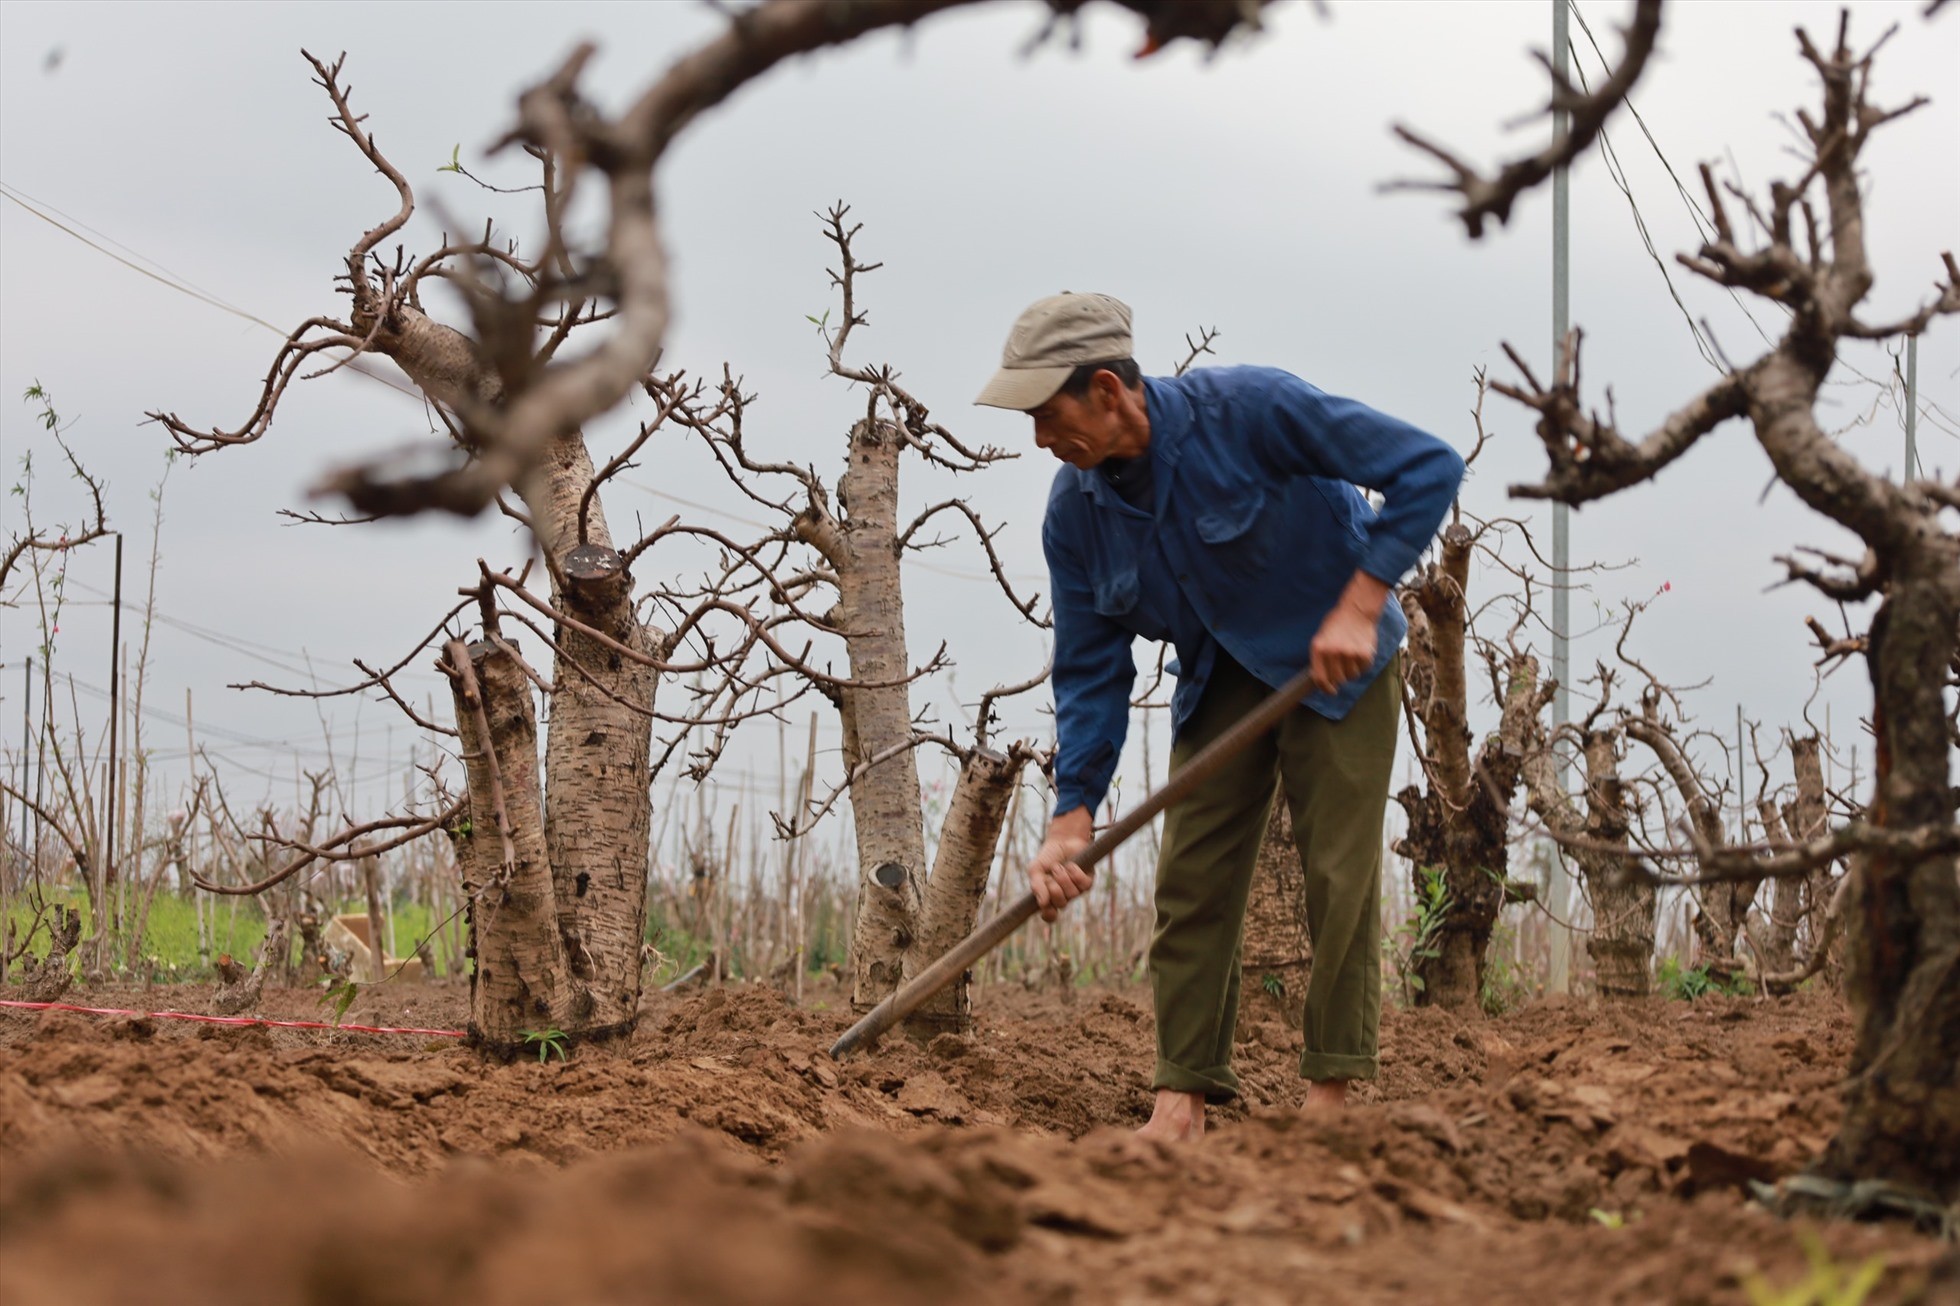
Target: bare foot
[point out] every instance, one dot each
(1327, 1094)
(1176, 1117)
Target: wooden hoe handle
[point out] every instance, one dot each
(911, 995)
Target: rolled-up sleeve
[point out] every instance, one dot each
(1300, 430)
(1093, 676)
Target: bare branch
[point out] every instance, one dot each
(668, 395)
(1202, 345)
(1024, 607)
(1492, 197)
(340, 848)
(984, 722)
(37, 541)
(1590, 459)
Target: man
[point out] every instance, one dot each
(1219, 511)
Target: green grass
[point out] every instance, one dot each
(170, 943)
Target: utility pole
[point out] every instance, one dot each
(1560, 978)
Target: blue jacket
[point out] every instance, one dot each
(1257, 530)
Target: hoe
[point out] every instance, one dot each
(992, 933)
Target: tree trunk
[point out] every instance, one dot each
(885, 798)
(47, 979)
(1277, 948)
(1902, 973)
(238, 995)
(592, 814)
(1722, 909)
(1808, 818)
(522, 980)
(960, 870)
(1622, 942)
(1775, 943)
(1461, 825)
(598, 802)
(377, 919)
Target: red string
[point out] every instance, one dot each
(232, 1020)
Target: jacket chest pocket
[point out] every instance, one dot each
(1233, 529)
(1117, 592)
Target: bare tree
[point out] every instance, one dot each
(581, 868)
(1459, 823)
(513, 427)
(1721, 908)
(1594, 833)
(553, 858)
(849, 587)
(1902, 1117)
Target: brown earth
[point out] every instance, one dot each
(1569, 1152)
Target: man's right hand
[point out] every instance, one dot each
(1053, 874)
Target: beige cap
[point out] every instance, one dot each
(1054, 337)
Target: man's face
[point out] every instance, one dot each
(1079, 431)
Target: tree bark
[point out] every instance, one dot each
(1622, 941)
(47, 979)
(598, 802)
(594, 815)
(1722, 909)
(1460, 825)
(960, 869)
(1808, 818)
(1775, 942)
(1902, 961)
(522, 980)
(877, 716)
(233, 997)
(377, 919)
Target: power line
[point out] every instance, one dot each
(234, 643)
(171, 718)
(184, 287)
(1618, 174)
(180, 286)
(1704, 224)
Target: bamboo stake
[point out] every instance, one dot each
(798, 861)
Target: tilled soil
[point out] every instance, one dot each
(1569, 1152)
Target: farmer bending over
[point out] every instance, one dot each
(1218, 511)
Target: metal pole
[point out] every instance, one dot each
(1912, 409)
(1560, 978)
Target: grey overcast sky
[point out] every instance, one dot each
(1242, 193)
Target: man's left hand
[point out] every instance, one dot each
(1344, 646)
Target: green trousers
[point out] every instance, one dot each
(1336, 776)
